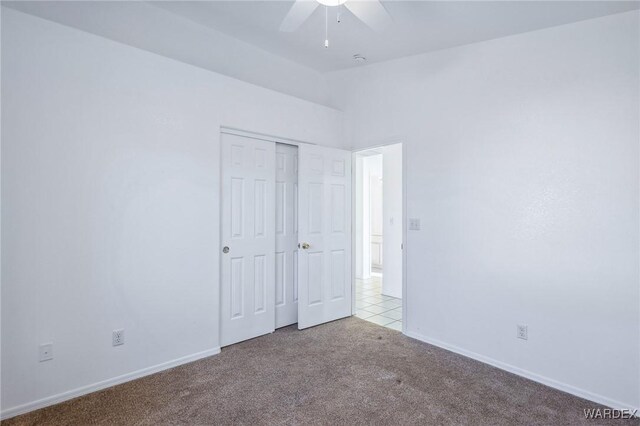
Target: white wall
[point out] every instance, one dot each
(366, 219)
(392, 220)
(522, 163)
(375, 209)
(367, 164)
(146, 25)
(361, 271)
(110, 203)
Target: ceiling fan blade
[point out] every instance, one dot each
(371, 12)
(298, 13)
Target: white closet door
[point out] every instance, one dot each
(324, 274)
(248, 239)
(286, 235)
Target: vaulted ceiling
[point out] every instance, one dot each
(418, 26)
(242, 39)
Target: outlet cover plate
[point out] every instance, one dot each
(118, 337)
(522, 332)
(45, 352)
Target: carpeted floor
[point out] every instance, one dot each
(346, 372)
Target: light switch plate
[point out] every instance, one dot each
(414, 224)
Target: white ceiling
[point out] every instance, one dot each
(241, 39)
(419, 26)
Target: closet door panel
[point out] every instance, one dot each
(286, 235)
(248, 258)
(324, 206)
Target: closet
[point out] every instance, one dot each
(286, 229)
(285, 235)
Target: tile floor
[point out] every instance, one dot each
(373, 306)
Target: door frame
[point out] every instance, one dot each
(354, 153)
(263, 136)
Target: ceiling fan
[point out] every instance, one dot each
(371, 12)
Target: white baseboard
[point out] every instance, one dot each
(65, 396)
(55, 399)
(525, 373)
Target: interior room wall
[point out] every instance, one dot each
(522, 161)
(375, 210)
(361, 271)
(110, 204)
(366, 218)
(392, 219)
(147, 26)
(367, 164)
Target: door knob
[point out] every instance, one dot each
(225, 249)
(304, 245)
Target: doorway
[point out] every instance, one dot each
(379, 235)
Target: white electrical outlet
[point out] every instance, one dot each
(118, 337)
(414, 224)
(522, 332)
(45, 352)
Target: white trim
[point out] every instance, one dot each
(83, 390)
(582, 393)
(261, 136)
(405, 308)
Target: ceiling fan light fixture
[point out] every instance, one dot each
(331, 3)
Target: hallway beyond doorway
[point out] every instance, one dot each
(373, 306)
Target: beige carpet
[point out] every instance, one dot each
(346, 372)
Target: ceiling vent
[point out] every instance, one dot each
(359, 58)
